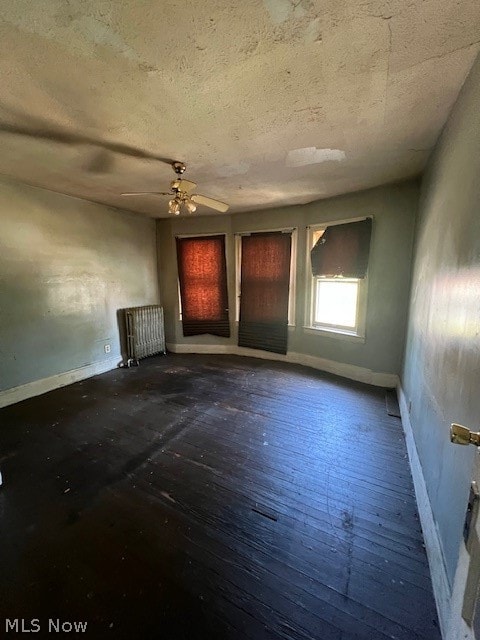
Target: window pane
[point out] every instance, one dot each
(336, 303)
(203, 285)
(265, 282)
(342, 250)
(202, 278)
(265, 277)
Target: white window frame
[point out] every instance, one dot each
(293, 270)
(357, 333)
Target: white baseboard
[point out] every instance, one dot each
(38, 387)
(360, 374)
(436, 560)
(457, 627)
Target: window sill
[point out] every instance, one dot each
(337, 334)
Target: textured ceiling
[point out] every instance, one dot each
(268, 102)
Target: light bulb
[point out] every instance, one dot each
(174, 207)
(191, 206)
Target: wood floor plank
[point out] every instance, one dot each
(213, 497)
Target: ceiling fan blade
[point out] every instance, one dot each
(71, 138)
(101, 161)
(148, 193)
(210, 202)
(183, 185)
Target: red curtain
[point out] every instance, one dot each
(343, 250)
(202, 274)
(265, 281)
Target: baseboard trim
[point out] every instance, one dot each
(436, 560)
(350, 371)
(38, 387)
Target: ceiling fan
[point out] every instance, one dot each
(181, 196)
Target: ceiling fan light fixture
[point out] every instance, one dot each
(181, 195)
(190, 206)
(174, 206)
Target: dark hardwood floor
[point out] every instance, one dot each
(212, 497)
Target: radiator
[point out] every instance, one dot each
(145, 332)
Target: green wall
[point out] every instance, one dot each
(393, 209)
(66, 267)
(441, 376)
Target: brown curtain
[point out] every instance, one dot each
(202, 273)
(265, 280)
(343, 250)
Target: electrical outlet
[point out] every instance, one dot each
(107, 348)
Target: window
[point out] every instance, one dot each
(293, 264)
(202, 277)
(336, 302)
(265, 284)
(337, 283)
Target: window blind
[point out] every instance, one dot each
(202, 276)
(265, 280)
(343, 250)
